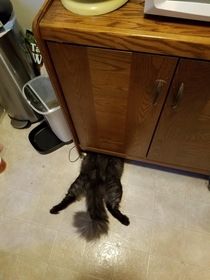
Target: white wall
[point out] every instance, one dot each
(26, 11)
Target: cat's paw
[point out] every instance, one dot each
(54, 210)
(125, 221)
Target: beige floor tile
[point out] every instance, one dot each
(167, 241)
(39, 243)
(34, 180)
(139, 202)
(136, 236)
(169, 209)
(5, 197)
(37, 160)
(42, 214)
(7, 132)
(142, 176)
(197, 216)
(196, 248)
(130, 265)
(82, 276)
(99, 259)
(36, 245)
(13, 234)
(21, 150)
(196, 189)
(172, 183)
(58, 273)
(67, 251)
(163, 269)
(126, 172)
(27, 269)
(22, 205)
(11, 177)
(7, 264)
(190, 272)
(63, 156)
(19, 136)
(58, 183)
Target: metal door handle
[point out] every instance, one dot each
(157, 91)
(175, 104)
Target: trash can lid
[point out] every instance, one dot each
(8, 26)
(6, 9)
(40, 95)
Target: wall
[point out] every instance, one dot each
(26, 11)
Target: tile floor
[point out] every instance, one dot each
(168, 238)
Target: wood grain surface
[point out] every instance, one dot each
(105, 71)
(127, 29)
(183, 133)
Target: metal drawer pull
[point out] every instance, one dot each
(178, 97)
(157, 91)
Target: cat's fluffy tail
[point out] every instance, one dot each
(88, 228)
(95, 222)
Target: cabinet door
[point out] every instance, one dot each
(110, 95)
(183, 133)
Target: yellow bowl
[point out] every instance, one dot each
(92, 7)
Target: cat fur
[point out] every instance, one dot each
(99, 182)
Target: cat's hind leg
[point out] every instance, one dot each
(118, 215)
(112, 199)
(75, 192)
(68, 199)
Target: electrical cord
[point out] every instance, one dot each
(70, 155)
(83, 154)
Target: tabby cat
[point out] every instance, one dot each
(99, 182)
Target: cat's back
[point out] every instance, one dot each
(88, 163)
(103, 166)
(114, 168)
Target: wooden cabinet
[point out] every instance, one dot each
(183, 133)
(131, 86)
(114, 97)
(116, 100)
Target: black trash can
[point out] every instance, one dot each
(16, 68)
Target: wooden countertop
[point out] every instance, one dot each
(125, 29)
